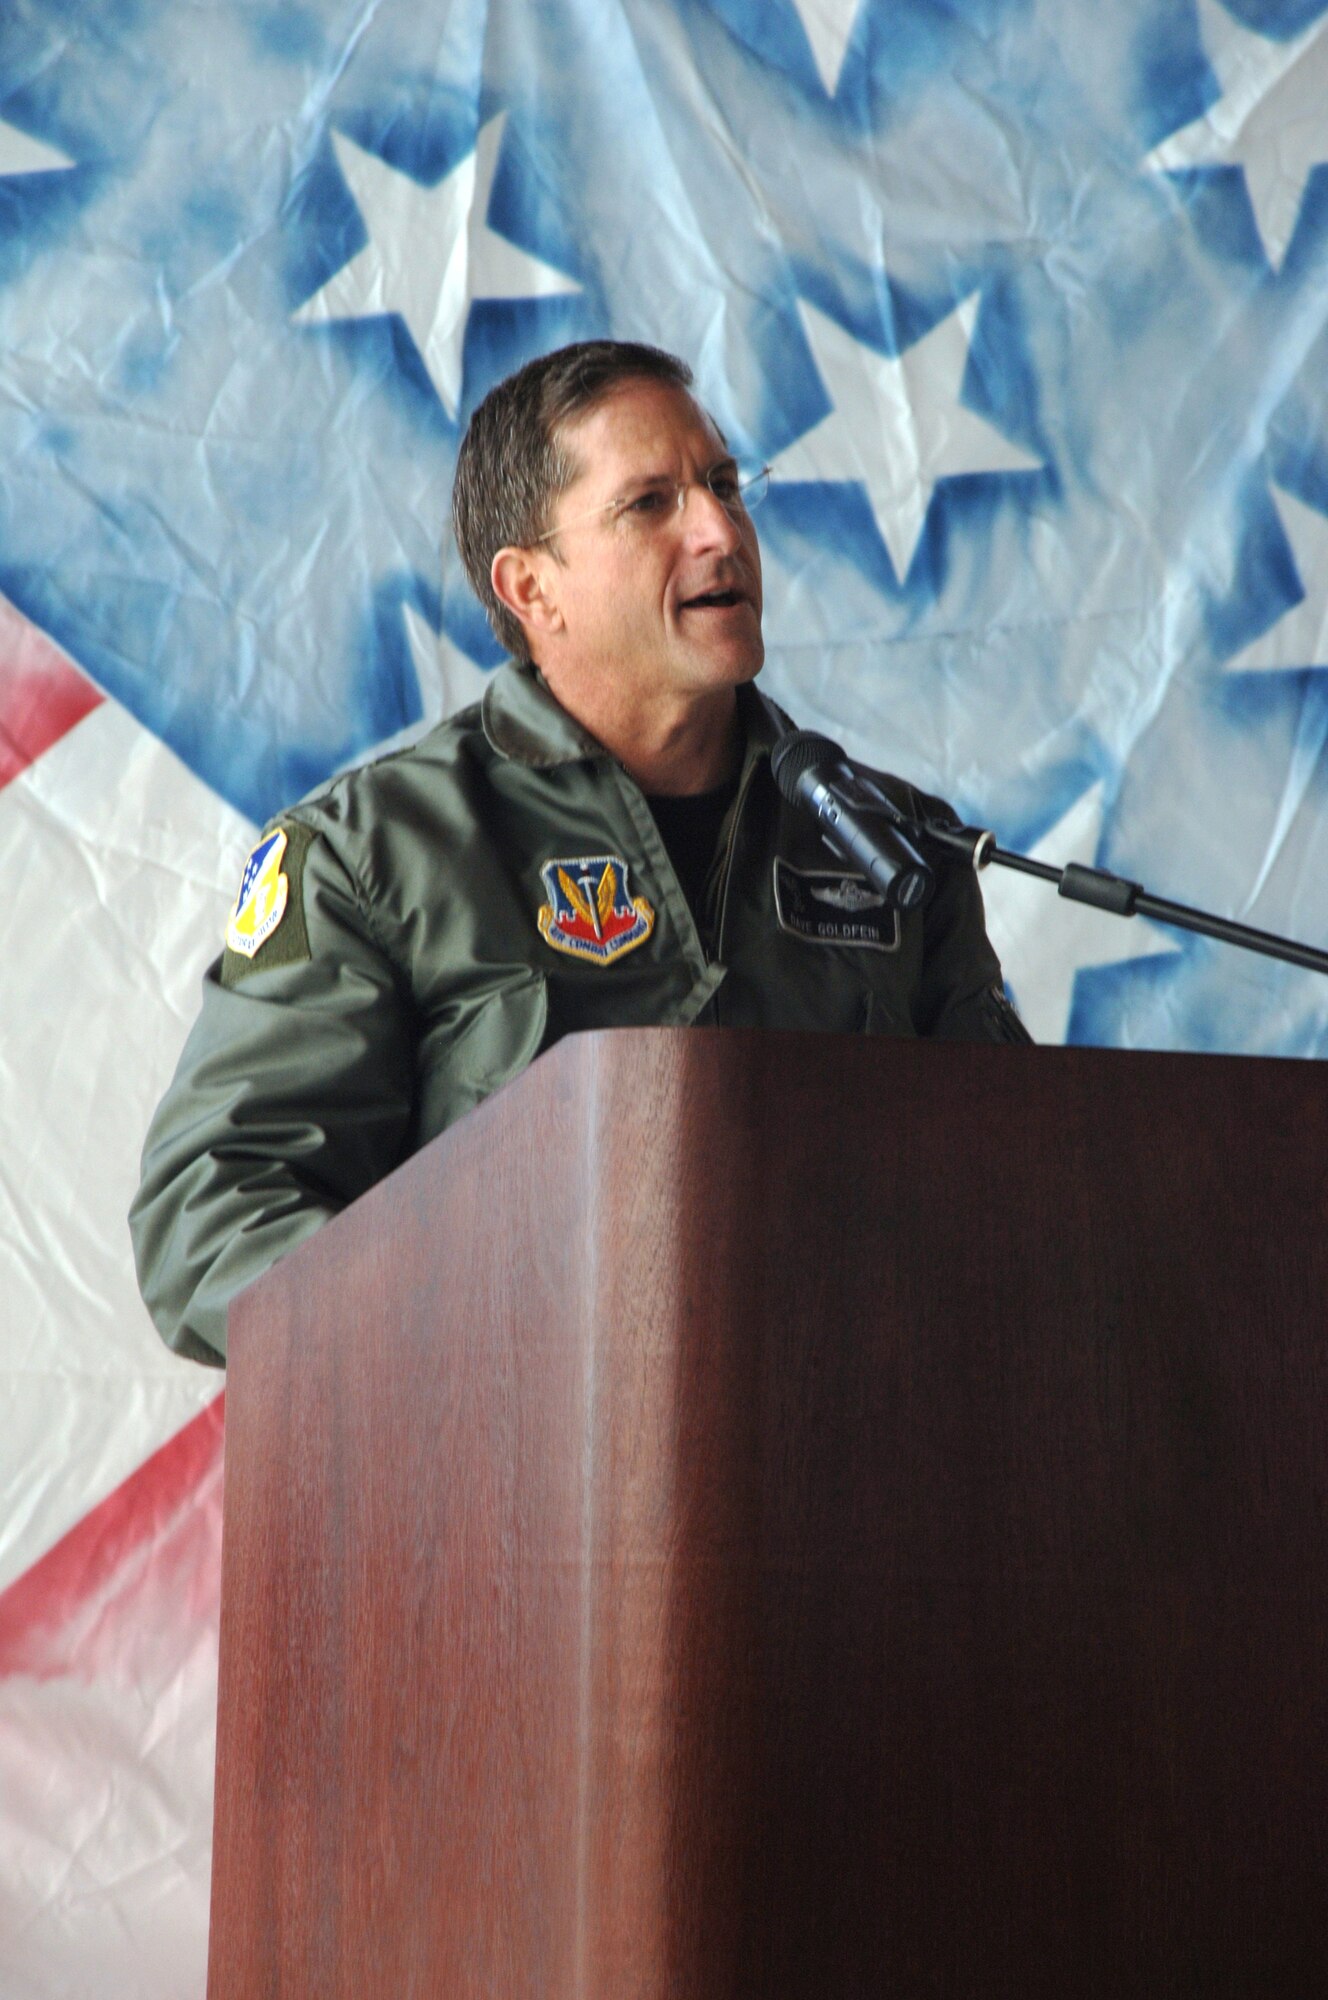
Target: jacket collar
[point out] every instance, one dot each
(523, 721)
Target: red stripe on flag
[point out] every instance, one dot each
(153, 1545)
(42, 693)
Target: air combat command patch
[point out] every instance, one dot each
(264, 893)
(590, 913)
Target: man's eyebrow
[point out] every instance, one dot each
(726, 462)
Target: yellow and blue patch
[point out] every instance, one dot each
(590, 913)
(263, 898)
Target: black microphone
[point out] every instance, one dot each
(854, 814)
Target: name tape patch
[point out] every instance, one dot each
(833, 906)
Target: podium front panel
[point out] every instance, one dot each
(779, 1515)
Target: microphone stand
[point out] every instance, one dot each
(1113, 893)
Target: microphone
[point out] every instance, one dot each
(855, 816)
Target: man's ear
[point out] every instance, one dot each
(522, 583)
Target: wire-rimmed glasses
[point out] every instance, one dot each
(654, 504)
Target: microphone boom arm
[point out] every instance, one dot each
(1113, 893)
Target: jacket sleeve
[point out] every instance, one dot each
(962, 995)
(293, 1094)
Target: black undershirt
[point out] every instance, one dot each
(689, 827)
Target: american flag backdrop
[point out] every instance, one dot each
(1025, 302)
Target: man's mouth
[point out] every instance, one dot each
(715, 600)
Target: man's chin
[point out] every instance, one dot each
(730, 660)
(750, 663)
(713, 674)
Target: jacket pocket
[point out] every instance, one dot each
(490, 1041)
(881, 1017)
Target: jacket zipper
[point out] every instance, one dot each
(727, 877)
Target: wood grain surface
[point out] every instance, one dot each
(751, 1515)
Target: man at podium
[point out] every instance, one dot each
(598, 842)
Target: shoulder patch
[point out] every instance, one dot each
(266, 928)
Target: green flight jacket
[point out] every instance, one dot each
(409, 976)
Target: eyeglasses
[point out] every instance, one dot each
(655, 506)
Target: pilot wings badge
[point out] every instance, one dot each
(590, 913)
(848, 893)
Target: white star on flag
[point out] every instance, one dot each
(1043, 941)
(22, 154)
(430, 255)
(897, 424)
(1270, 119)
(448, 680)
(1299, 638)
(828, 25)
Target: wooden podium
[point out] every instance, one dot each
(787, 1516)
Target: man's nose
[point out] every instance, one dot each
(707, 522)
